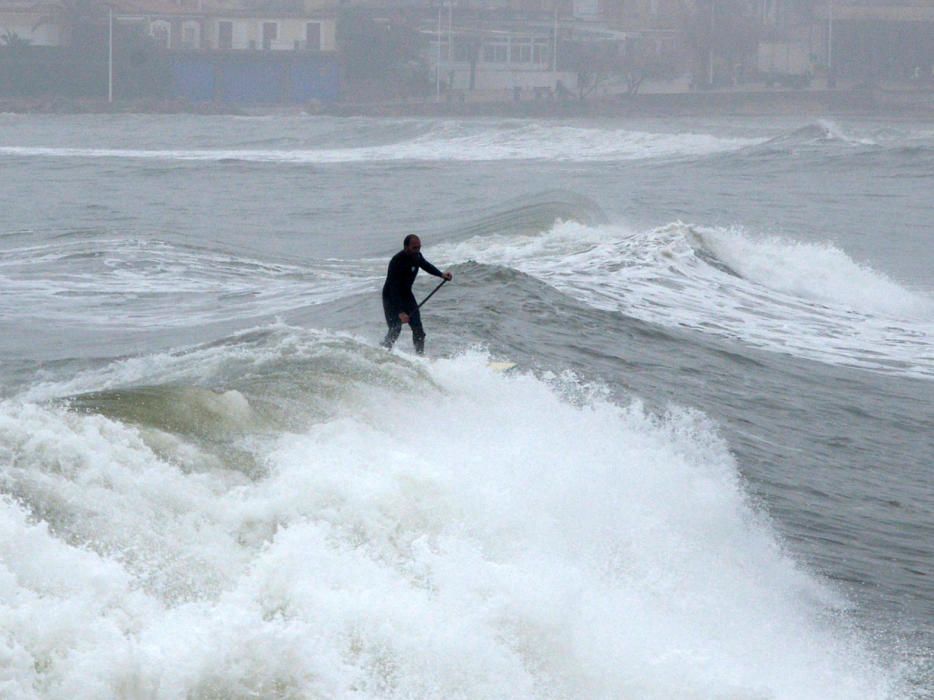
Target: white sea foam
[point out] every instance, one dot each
(455, 142)
(816, 271)
(810, 300)
(834, 131)
(478, 536)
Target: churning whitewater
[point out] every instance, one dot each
(522, 537)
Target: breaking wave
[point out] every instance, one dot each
(810, 300)
(432, 530)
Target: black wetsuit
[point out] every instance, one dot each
(398, 297)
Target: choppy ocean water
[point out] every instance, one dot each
(709, 476)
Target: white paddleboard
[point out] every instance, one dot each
(501, 366)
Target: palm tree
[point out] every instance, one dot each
(13, 41)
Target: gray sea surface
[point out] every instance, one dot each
(771, 277)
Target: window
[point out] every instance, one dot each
(441, 46)
(313, 36)
(161, 31)
(461, 52)
(270, 34)
(520, 51)
(189, 36)
(225, 35)
(587, 9)
(541, 52)
(495, 52)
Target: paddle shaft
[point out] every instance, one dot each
(443, 282)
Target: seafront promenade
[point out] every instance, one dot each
(671, 98)
(662, 98)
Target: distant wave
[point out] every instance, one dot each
(822, 136)
(821, 131)
(534, 213)
(449, 142)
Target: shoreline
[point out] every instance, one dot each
(857, 101)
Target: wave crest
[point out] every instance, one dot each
(810, 300)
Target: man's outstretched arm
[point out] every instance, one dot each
(432, 270)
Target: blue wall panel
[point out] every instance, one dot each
(315, 80)
(255, 77)
(192, 79)
(251, 82)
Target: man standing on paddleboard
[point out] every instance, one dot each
(399, 303)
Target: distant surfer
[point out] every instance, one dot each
(399, 303)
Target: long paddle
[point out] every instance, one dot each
(443, 282)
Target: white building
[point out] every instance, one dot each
(201, 24)
(271, 33)
(490, 59)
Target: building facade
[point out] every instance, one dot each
(873, 41)
(240, 52)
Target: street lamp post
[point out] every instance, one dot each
(831, 78)
(110, 54)
(438, 66)
(710, 47)
(450, 39)
(554, 48)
